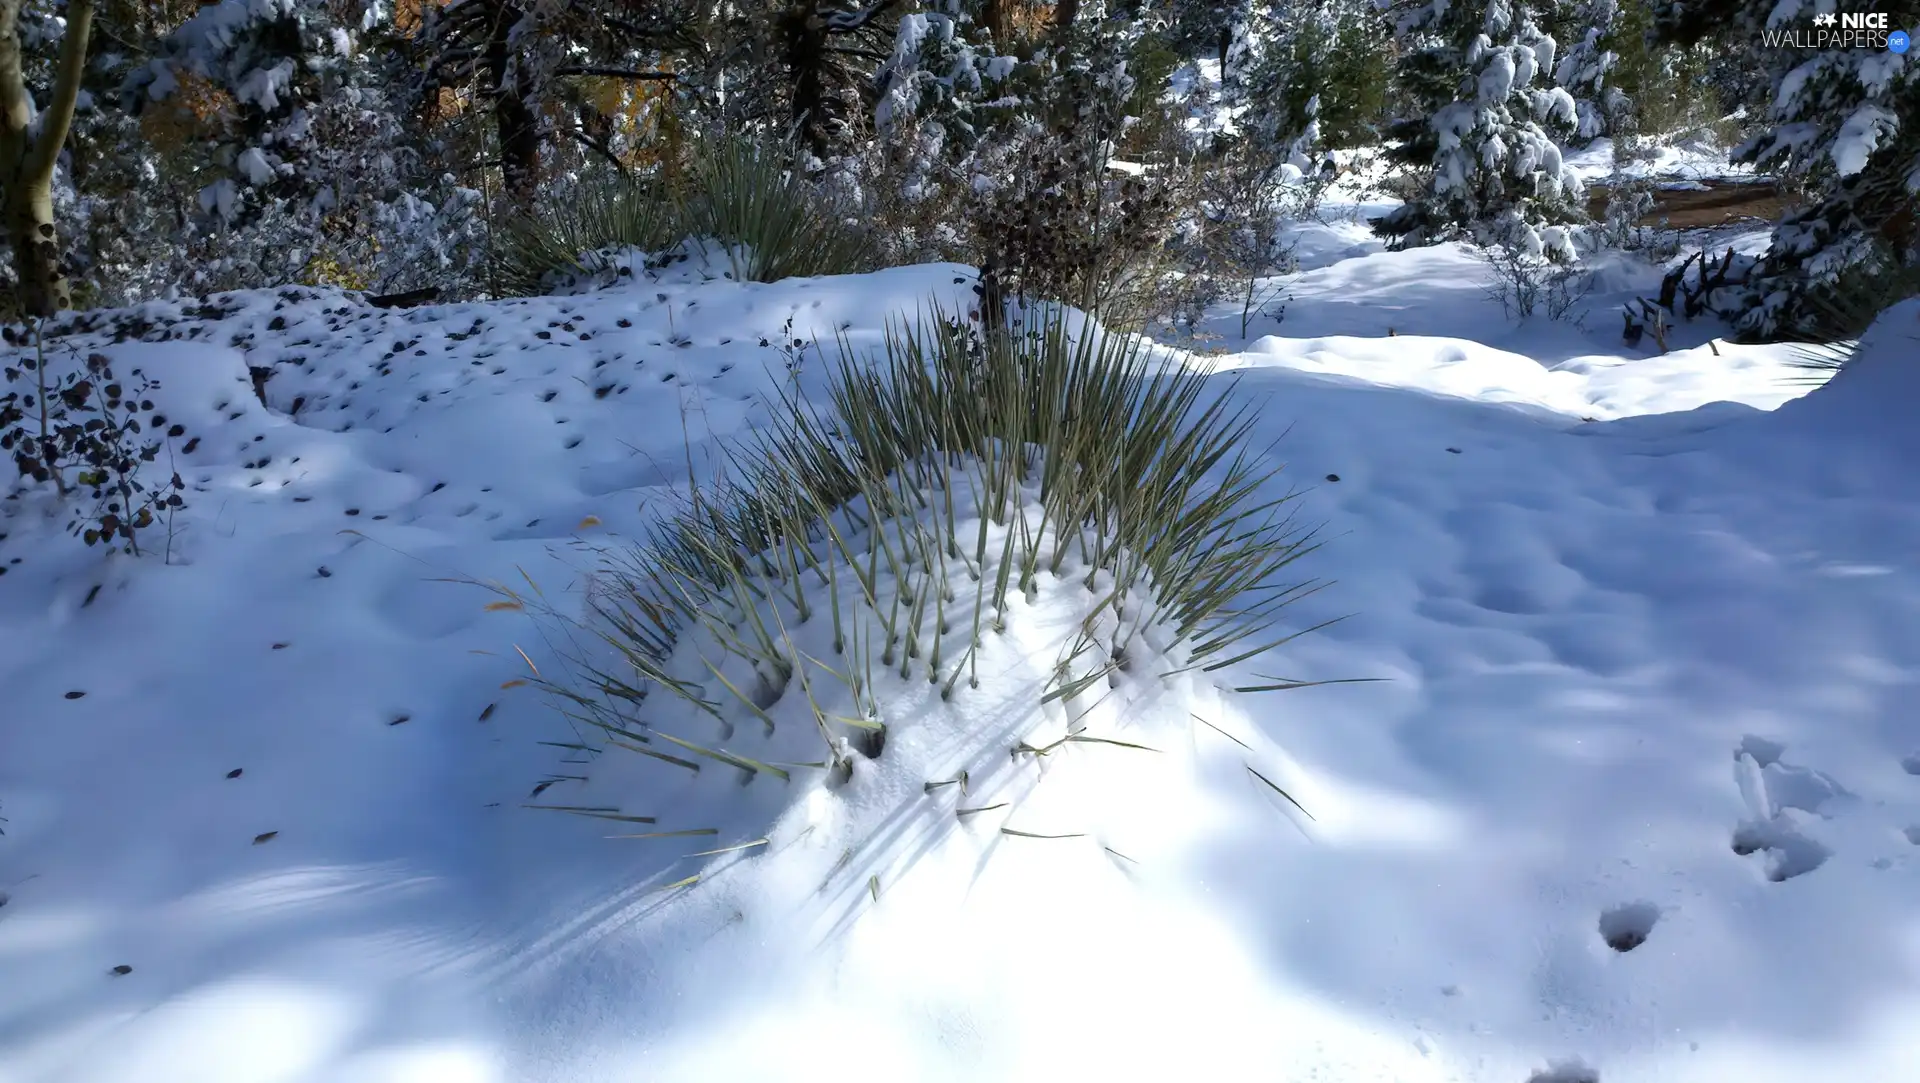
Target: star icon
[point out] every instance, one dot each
(1825, 18)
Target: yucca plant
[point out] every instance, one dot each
(743, 194)
(736, 194)
(571, 235)
(966, 504)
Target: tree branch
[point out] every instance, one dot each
(846, 22)
(615, 73)
(625, 26)
(599, 145)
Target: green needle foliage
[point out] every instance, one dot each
(891, 538)
(1844, 310)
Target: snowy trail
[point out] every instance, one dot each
(1616, 652)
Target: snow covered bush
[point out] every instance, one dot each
(940, 91)
(1524, 282)
(1239, 250)
(289, 119)
(1623, 223)
(266, 70)
(1482, 136)
(1055, 211)
(970, 504)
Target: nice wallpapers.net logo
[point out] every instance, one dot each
(1842, 30)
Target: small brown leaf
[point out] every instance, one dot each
(75, 694)
(265, 836)
(122, 970)
(488, 712)
(235, 773)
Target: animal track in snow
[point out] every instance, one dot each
(1625, 928)
(1774, 792)
(1789, 853)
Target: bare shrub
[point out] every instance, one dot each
(1525, 282)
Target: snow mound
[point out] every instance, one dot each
(1637, 799)
(1875, 396)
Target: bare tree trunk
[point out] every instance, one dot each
(997, 17)
(1064, 14)
(803, 51)
(515, 124)
(27, 161)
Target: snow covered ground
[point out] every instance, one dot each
(1693, 157)
(1648, 642)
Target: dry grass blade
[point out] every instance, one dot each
(1082, 739)
(731, 849)
(598, 810)
(976, 811)
(1223, 733)
(1275, 787)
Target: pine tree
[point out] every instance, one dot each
(1482, 136)
(1845, 124)
(941, 91)
(1335, 52)
(1586, 66)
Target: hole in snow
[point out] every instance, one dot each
(768, 688)
(870, 742)
(1911, 764)
(1625, 928)
(1913, 834)
(1789, 853)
